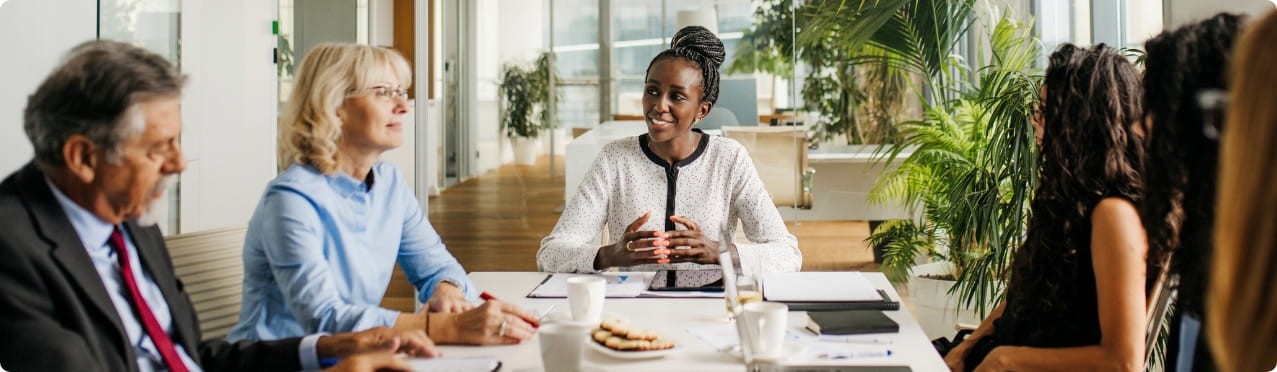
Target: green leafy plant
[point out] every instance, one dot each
(860, 100)
(971, 170)
(526, 93)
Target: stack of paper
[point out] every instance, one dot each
(814, 286)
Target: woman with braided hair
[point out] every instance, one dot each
(670, 197)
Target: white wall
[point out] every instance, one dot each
(228, 110)
(35, 34)
(1180, 12)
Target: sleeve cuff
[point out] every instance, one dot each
(308, 353)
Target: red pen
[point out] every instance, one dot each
(488, 297)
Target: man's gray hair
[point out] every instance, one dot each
(95, 93)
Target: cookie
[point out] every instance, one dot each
(614, 342)
(601, 335)
(622, 330)
(612, 323)
(662, 344)
(634, 345)
(641, 334)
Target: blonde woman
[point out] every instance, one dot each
(324, 240)
(1242, 298)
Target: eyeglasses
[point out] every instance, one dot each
(388, 93)
(1213, 103)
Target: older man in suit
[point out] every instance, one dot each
(86, 280)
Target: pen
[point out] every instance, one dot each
(488, 297)
(853, 339)
(857, 354)
(328, 362)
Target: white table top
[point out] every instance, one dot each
(672, 318)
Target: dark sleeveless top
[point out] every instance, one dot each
(1072, 319)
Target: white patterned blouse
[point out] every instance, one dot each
(714, 187)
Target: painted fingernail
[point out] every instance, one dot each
(663, 243)
(663, 261)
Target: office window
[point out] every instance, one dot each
(153, 25)
(1118, 23)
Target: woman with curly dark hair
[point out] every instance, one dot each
(1179, 197)
(1076, 299)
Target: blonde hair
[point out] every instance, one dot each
(1242, 302)
(331, 72)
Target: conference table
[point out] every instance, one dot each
(674, 318)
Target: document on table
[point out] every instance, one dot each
(818, 286)
(618, 285)
(463, 364)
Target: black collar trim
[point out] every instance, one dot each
(700, 149)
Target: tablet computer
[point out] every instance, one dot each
(688, 280)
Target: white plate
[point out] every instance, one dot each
(602, 349)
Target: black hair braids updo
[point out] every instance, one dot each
(702, 47)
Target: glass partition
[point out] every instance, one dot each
(153, 25)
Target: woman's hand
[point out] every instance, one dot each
(380, 339)
(448, 298)
(691, 245)
(372, 362)
(998, 360)
(958, 354)
(635, 247)
(494, 322)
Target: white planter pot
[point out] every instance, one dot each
(525, 150)
(936, 310)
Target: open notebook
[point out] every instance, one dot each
(819, 290)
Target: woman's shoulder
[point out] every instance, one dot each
(298, 176)
(1114, 208)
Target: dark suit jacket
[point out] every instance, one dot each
(55, 314)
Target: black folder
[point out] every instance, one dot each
(851, 322)
(885, 304)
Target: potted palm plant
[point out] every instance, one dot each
(971, 171)
(525, 93)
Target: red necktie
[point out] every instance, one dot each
(153, 329)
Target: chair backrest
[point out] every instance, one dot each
(718, 118)
(780, 156)
(211, 267)
(1159, 303)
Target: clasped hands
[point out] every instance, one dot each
(637, 247)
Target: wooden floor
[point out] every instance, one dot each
(495, 222)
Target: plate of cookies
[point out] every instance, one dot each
(617, 338)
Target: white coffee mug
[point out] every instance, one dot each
(562, 345)
(767, 320)
(585, 298)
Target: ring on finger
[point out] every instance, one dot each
(629, 246)
(501, 330)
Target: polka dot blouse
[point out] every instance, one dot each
(715, 187)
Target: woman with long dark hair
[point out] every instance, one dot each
(1076, 298)
(1179, 197)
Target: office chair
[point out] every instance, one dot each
(780, 156)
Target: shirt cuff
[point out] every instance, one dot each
(308, 353)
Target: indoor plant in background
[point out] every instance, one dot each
(525, 94)
(854, 103)
(971, 172)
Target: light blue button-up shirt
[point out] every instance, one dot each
(320, 250)
(94, 233)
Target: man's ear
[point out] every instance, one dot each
(81, 157)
